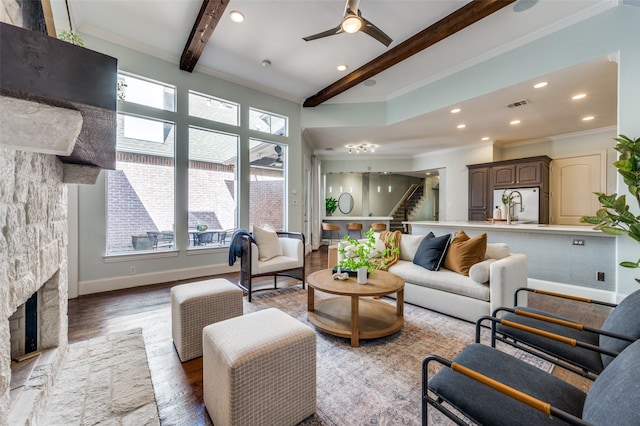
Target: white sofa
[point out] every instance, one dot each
(458, 295)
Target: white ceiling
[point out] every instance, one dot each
(273, 30)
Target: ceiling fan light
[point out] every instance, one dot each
(351, 24)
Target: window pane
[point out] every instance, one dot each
(146, 92)
(140, 192)
(267, 185)
(213, 209)
(215, 109)
(267, 122)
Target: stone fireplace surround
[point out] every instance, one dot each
(33, 247)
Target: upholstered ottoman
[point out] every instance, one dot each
(259, 369)
(196, 305)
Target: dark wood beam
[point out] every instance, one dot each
(460, 19)
(209, 16)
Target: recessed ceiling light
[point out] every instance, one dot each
(236, 16)
(370, 82)
(588, 118)
(540, 85)
(342, 67)
(579, 96)
(455, 110)
(266, 63)
(514, 122)
(461, 126)
(486, 138)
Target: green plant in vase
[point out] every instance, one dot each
(354, 254)
(614, 217)
(331, 204)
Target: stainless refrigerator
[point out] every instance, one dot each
(529, 204)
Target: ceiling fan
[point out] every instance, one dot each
(352, 22)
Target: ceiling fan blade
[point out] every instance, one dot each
(333, 31)
(376, 33)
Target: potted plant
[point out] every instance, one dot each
(614, 217)
(362, 256)
(331, 204)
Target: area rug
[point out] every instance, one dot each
(378, 383)
(104, 380)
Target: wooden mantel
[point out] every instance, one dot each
(37, 68)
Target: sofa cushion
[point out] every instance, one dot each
(267, 242)
(443, 280)
(432, 251)
(497, 251)
(480, 272)
(464, 252)
(409, 245)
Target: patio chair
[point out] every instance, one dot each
(490, 387)
(576, 347)
(291, 263)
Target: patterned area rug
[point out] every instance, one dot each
(105, 380)
(380, 382)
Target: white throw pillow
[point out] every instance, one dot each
(378, 249)
(479, 272)
(267, 242)
(409, 246)
(496, 251)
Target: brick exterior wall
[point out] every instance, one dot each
(140, 197)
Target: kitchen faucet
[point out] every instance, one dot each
(513, 204)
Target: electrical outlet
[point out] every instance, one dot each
(132, 270)
(600, 276)
(578, 242)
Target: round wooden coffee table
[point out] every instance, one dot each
(354, 314)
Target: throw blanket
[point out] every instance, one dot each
(391, 241)
(235, 248)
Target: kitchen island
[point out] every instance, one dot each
(558, 255)
(366, 222)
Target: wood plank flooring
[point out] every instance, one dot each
(178, 386)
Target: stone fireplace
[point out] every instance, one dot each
(33, 242)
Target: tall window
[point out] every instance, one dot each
(267, 186)
(140, 192)
(268, 122)
(146, 92)
(212, 108)
(213, 160)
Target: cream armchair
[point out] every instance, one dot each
(290, 264)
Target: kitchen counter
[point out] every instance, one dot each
(501, 226)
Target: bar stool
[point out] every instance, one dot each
(331, 228)
(354, 226)
(379, 227)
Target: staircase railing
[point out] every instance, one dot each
(405, 199)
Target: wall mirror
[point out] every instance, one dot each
(345, 203)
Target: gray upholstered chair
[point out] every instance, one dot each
(290, 264)
(574, 346)
(491, 387)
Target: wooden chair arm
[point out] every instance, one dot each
(507, 390)
(560, 295)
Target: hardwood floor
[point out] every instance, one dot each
(178, 386)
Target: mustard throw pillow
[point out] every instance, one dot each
(464, 252)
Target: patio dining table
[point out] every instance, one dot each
(201, 238)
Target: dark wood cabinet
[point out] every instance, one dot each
(479, 194)
(508, 174)
(519, 175)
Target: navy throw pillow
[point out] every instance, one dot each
(431, 252)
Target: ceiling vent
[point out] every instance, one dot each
(518, 103)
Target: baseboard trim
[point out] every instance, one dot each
(139, 280)
(591, 293)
